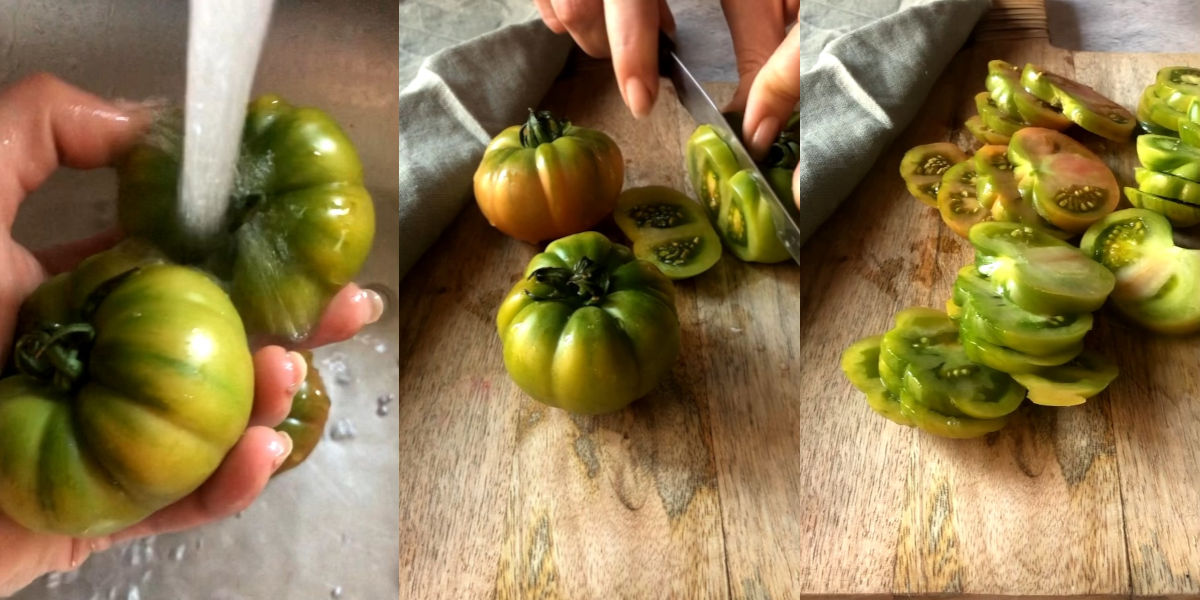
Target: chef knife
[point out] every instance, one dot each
(697, 102)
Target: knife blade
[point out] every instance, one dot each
(704, 111)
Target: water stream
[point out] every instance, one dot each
(225, 38)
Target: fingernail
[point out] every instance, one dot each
(299, 371)
(280, 448)
(637, 96)
(376, 303)
(764, 136)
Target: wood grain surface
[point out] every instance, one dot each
(755, 470)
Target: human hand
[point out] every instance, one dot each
(768, 62)
(45, 123)
(626, 30)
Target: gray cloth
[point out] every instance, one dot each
(866, 70)
(863, 87)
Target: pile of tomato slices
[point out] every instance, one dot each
(1018, 315)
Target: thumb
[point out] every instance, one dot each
(773, 95)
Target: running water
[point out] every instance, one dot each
(225, 38)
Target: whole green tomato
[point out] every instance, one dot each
(306, 421)
(135, 379)
(590, 328)
(299, 223)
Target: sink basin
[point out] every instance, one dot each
(327, 528)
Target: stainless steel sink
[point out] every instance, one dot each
(327, 529)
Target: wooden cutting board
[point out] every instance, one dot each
(755, 470)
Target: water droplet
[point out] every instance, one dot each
(336, 592)
(53, 580)
(343, 430)
(381, 347)
(134, 593)
(177, 552)
(382, 404)
(336, 365)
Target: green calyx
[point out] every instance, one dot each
(542, 128)
(784, 153)
(55, 354)
(584, 285)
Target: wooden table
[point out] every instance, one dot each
(755, 470)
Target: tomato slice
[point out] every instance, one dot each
(1157, 283)
(1155, 115)
(668, 230)
(957, 201)
(1069, 185)
(1169, 155)
(1005, 359)
(860, 363)
(922, 168)
(745, 222)
(1039, 272)
(1126, 237)
(947, 426)
(1003, 322)
(1179, 87)
(1178, 212)
(983, 133)
(1081, 104)
(1069, 384)
(1175, 308)
(1167, 185)
(1189, 133)
(1034, 143)
(1071, 191)
(994, 117)
(1004, 84)
(959, 387)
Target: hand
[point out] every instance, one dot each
(627, 30)
(768, 61)
(45, 123)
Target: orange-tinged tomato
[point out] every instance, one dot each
(548, 179)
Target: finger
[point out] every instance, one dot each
(666, 21)
(45, 122)
(546, 10)
(277, 375)
(633, 35)
(757, 28)
(65, 257)
(773, 96)
(350, 310)
(235, 484)
(584, 20)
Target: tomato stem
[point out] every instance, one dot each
(541, 128)
(585, 284)
(53, 354)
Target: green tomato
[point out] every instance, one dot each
(1004, 84)
(305, 423)
(589, 328)
(299, 224)
(132, 388)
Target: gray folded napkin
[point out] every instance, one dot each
(863, 80)
(865, 71)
